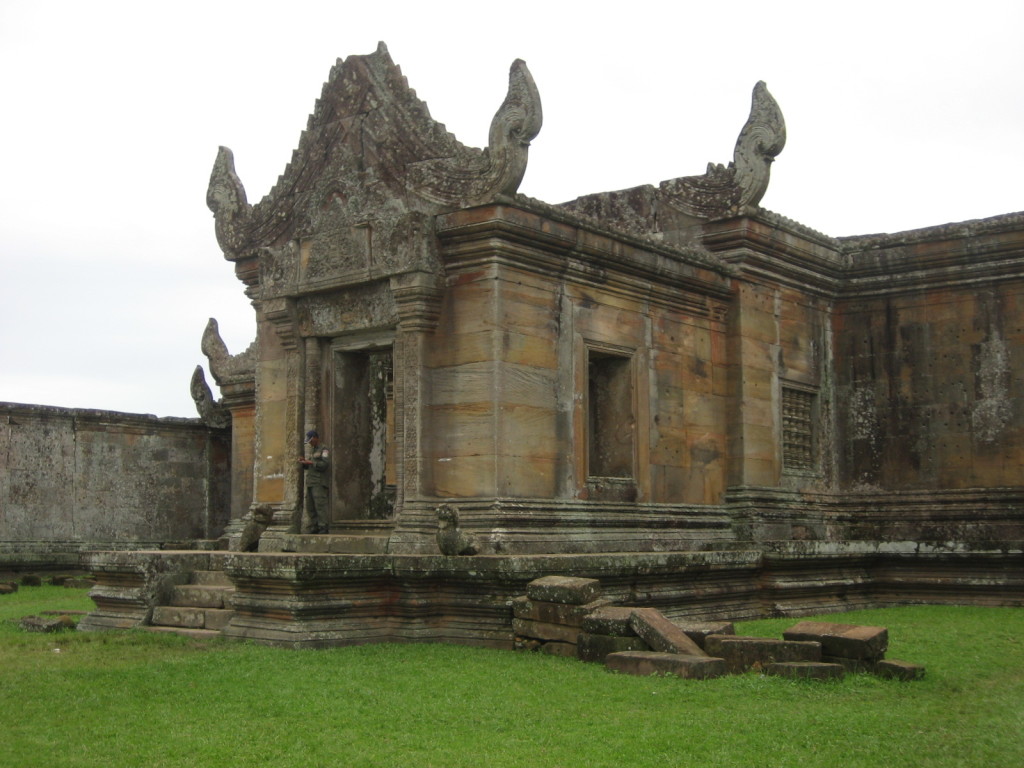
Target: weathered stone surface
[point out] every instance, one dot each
(217, 618)
(591, 647)
(646, 663)
(661, 634)
(31, 580)
(559, 649)
(111, 478)
(699, 630)
(8, 588)
(812, 670)
(572, 590)
(852, 666)
(556, 613)
(899, 670)
(743, 653)
(847, 640)
(544, 630)
(201, 596)
(610, 620)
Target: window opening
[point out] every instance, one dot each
(609, 415)
(798, 429)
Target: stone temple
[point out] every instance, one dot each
(712, 409)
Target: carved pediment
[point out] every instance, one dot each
(371, 151)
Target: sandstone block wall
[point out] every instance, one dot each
(75, 479)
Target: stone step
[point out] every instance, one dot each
(189, 617)
(201, 596)
(199, 634)
(327, 543)
(211, 578)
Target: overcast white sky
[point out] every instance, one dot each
(899, 115)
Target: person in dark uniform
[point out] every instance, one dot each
(317, 517)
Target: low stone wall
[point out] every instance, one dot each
(73, 480)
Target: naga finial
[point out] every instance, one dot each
(467, 178)
(211, 411)
(225, 196)
(761, 140)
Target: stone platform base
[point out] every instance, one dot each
(310, 600)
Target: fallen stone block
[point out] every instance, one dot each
(647, 663)
(610, 620)
(555, 613)
(47, 624)
(895, 669)
(545, 631)
(31, 580)
(810, 670)
(8, 588)
(743, 653)
(591, 647)
(850, 641)
(698, 631)
(572, 590)
(661, 634)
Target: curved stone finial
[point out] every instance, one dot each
(225, 367)
(210, 411)
(476, 177)
(761, 140)
(225, 196)
(516, 123)
(729, 190)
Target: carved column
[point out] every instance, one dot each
(280, 414)
(418, 300)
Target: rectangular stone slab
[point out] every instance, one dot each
(555, 613)
(646, 663)
(571, 590)
(610, 620)
(543, 630)
(743, 653)
(850, 641)
(899, 670)
(661, 634)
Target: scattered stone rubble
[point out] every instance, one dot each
(10, 581)
(567, 616)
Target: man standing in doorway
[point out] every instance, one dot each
(317, 518)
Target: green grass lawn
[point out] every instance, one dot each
(138, 699)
